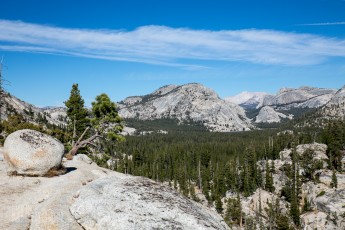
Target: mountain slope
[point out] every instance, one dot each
(302, 97)
(297, 101)
(336, 106)
(247, 99)
(268, 115)
(187, 103)
(12, 105)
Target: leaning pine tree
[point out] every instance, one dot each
(106, 124)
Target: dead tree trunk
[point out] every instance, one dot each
(81, 143)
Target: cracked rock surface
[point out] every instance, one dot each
(91, 197)
(138, 203)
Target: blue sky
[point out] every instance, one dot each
(126, 48)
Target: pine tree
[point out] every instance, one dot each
(234, 214)
(307, 205)
(260, 211)
(192, 192)
(294, 207)
(219, 205)
(238, 208)
(106, 124)
(76, 113)
(269, 178)
(334, 183)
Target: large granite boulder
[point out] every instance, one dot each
(316, 220)
(28, 152)
(1, 153)
(139, 203)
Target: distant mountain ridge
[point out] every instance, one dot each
(191, 102)
(302, 97)
(195, 103)
(13, 105)
(274, 108)
(248, 99)
(309, 97)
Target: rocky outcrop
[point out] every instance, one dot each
(138, 203)
(251, 205)
(335, 108)
(268, 115)
(265, 198)
(326, 203)
(319, 152)
(29, 152)
(318, 149)
(315, 220)
(1, 153)
(187, 103)
(128, 131)
(37, 203)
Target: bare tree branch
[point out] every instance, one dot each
(82, 135)
(81, 144)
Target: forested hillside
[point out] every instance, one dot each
(216, 164)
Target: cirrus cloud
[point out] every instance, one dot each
(161, 45)
(323, 24)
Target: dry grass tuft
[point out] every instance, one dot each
(69, 156)
(57, 171)
(13, 173)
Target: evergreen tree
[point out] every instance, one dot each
(76, 113)
(219, 205)
(334, 138)
(234, 214)
(334, 183)
(106, 118)
(294, 207)
(307, 205)
(192, 192)
(106, 124)
(308, 164)
(269, 178)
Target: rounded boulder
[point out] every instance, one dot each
(32, 153)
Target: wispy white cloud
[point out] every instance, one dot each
(162, 45)
(323, 24)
